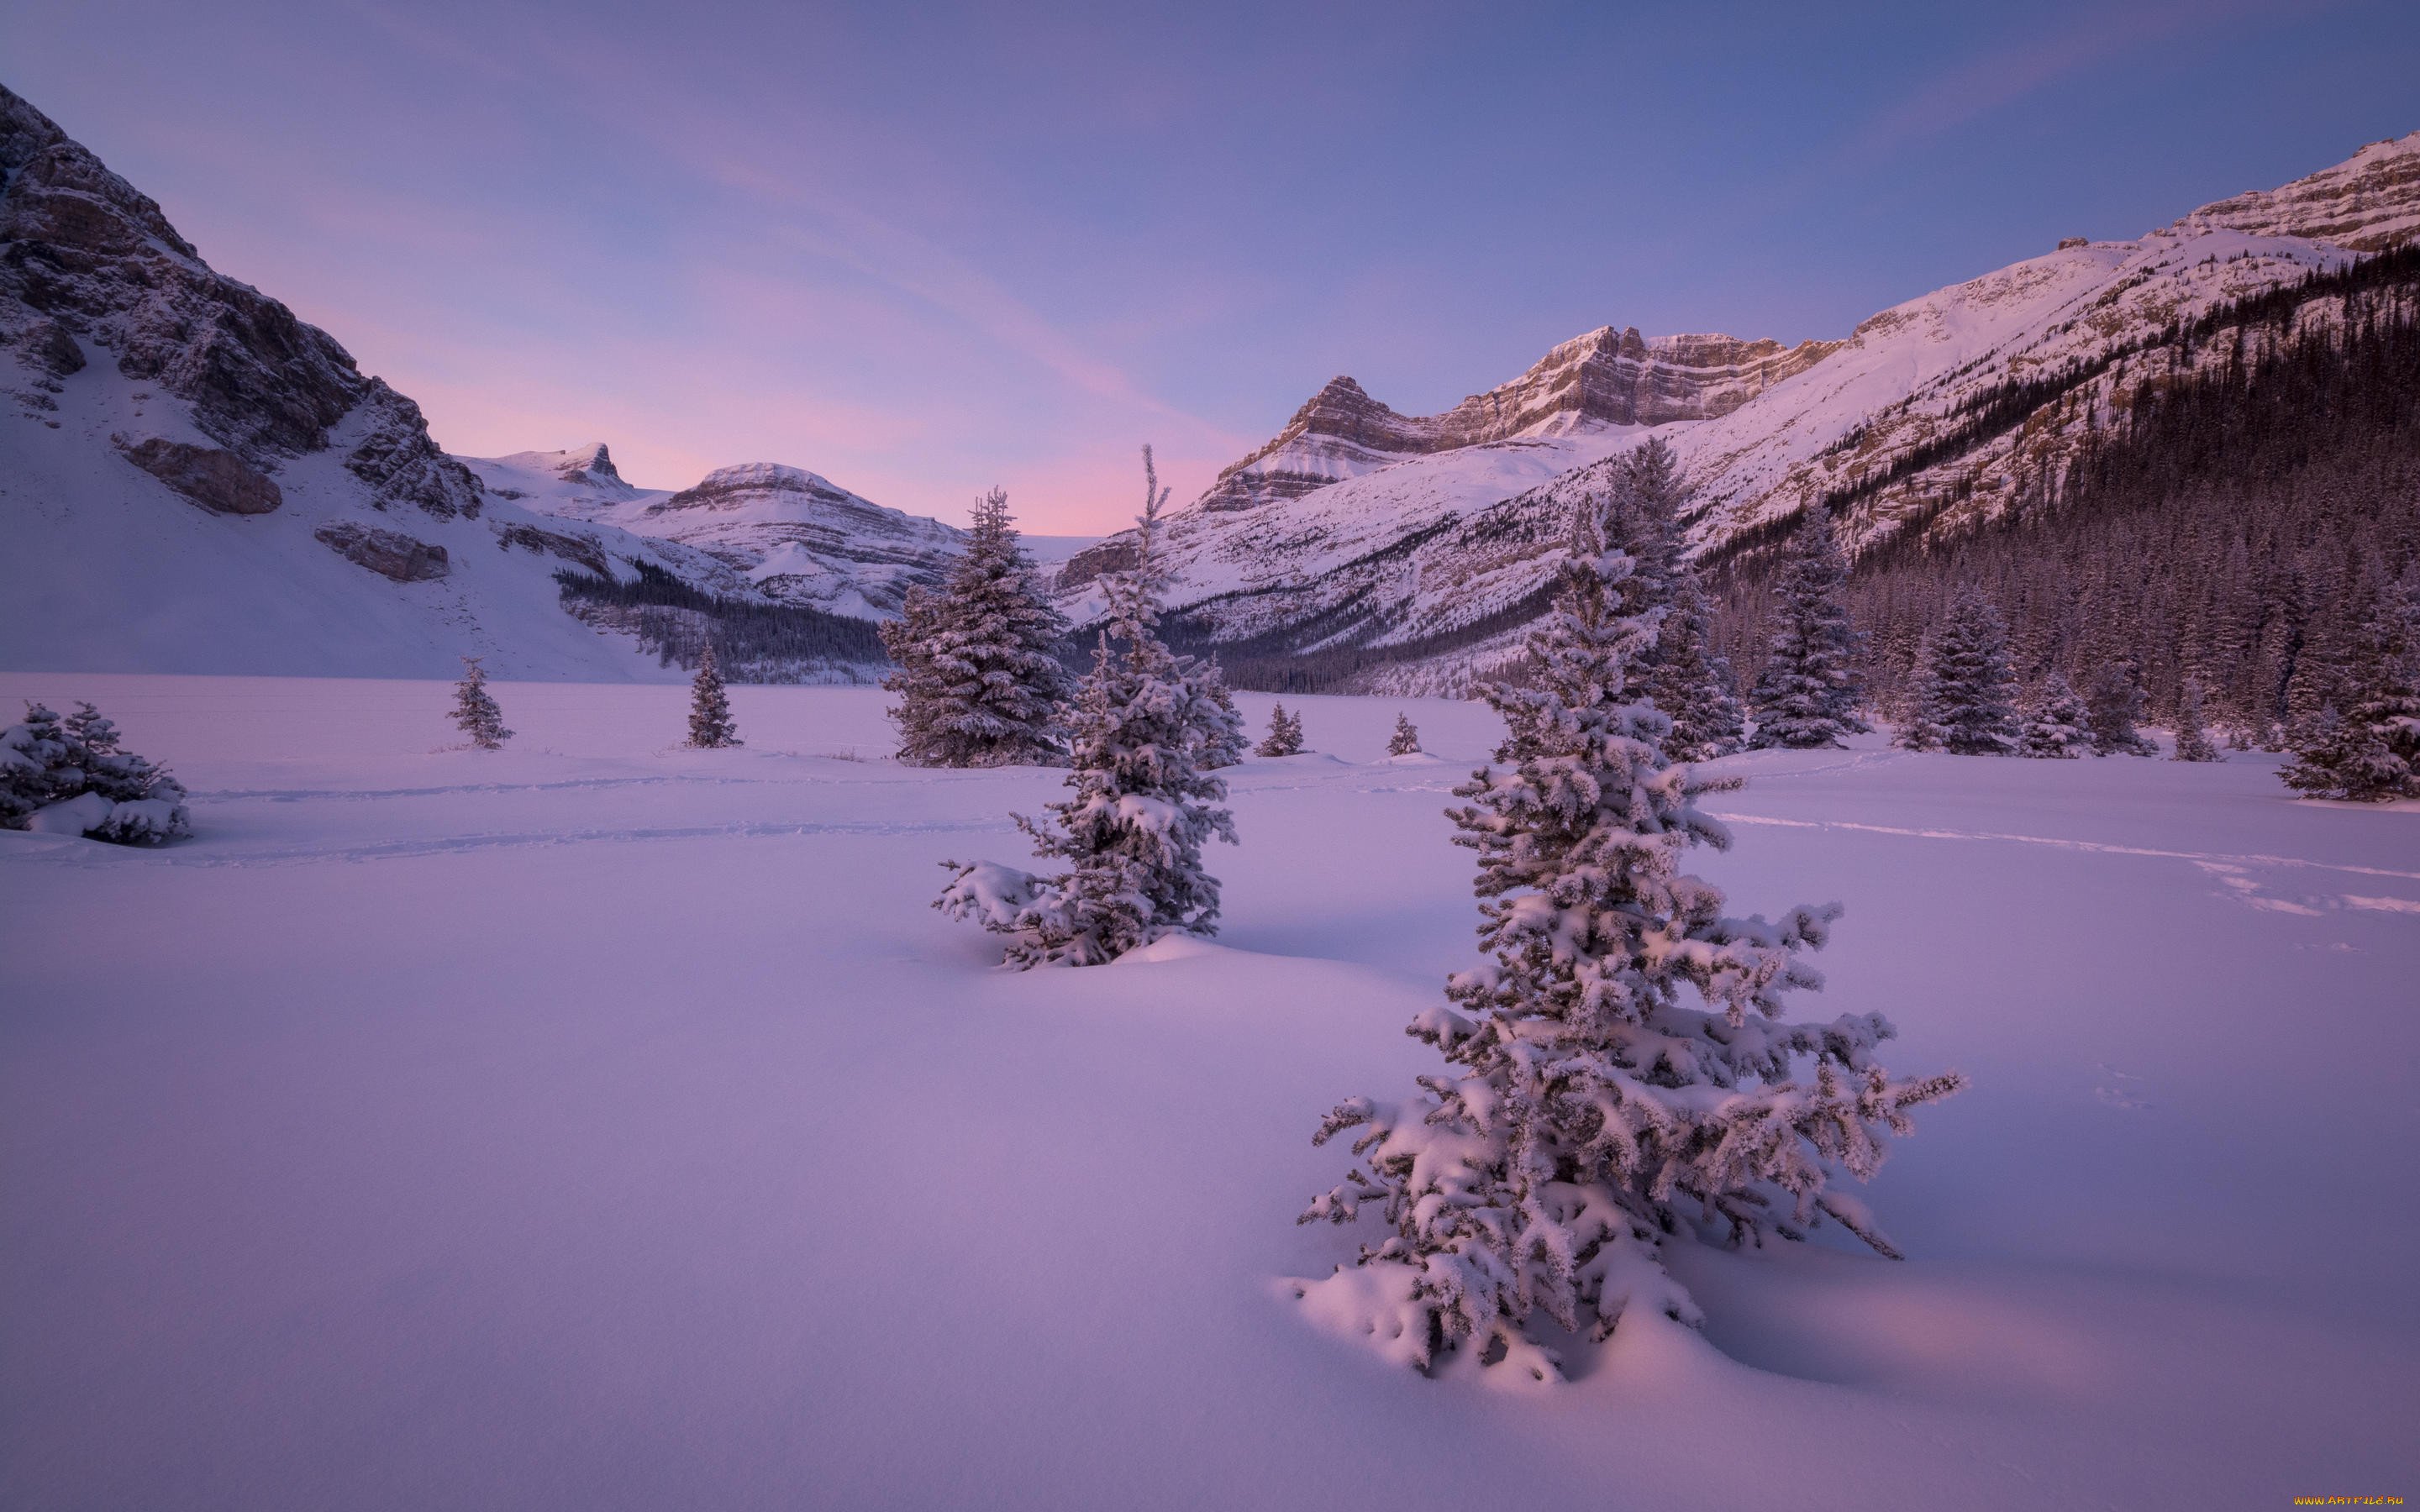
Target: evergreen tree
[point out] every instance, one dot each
(709, 706)
(1681, 673)
(1141, 807)
(2193, 741)
(1219, 737)
(2115, 702)
(1285, 734)
(979, 676)
(1406, 740)
(2368, 751)
(1619, 1069)
(1968, 697)
(475, 713)
(2055, 727)
(1921, 729)
(1807, 695)
(71, 777)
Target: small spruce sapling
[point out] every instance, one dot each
(710, 727)
(1406, 738)
(1285, 734)
(2193, 741)
(475, 713)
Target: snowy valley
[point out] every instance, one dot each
(614, 1125)
(1723, 924)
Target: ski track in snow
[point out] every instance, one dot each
(2218, 862)
(396, 850)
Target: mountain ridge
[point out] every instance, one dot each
(1937, 414)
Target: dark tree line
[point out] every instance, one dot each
(2234, 529)
(754, 642)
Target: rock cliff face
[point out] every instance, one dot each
(87, 261)
(2367, 202)
(1606, 377)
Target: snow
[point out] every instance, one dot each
(793, 534)
(1291, 541)
(605, 1123)
(107, 570)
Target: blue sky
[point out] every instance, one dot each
(922, 249)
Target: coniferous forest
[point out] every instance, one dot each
(2234, 526)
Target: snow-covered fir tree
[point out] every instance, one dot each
(1921, 729)
(71, 777)
(978, 674)
(709, 706)
(2055, 726)
(475, 713)
(1617, 1071)
(1809, 692)
(1141, 807)
(1966, 701)
(1285, 734)
(1221, 738)
(1682, 675)
(1692, 685)
(2369, 750)
(2111, 707)
(2193, 741)
(1406, 741)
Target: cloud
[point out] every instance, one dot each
(2005, 75)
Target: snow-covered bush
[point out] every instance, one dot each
(979, 678)
(1142, 806)
(2193, 741)
(1618, 1070)
(2111, 708)
(2055, 728)
(1406, 741)
(1285, 734)
(1809, 692)
(709, 706)
(2368, 750)
(475, 713)
(1966, 694)
(68, 776)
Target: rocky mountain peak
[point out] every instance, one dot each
(86, 259)
(2371, 202)
(1606, 377)
(591, 463)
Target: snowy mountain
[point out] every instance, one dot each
(194, 480)
(1403, 550)
(792, 535)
